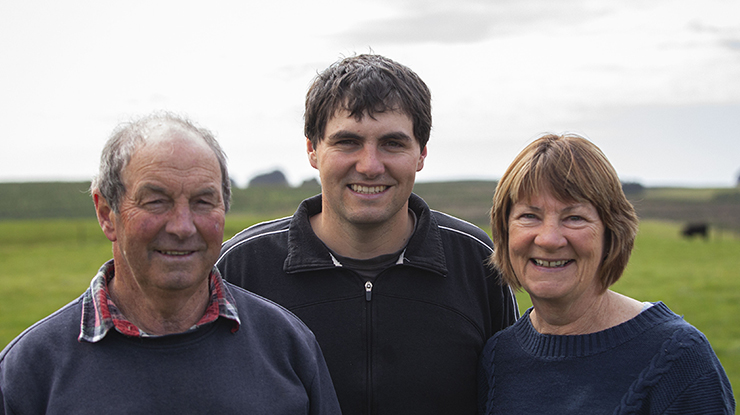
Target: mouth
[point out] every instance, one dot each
(551, 264)
(367, 190)
(176, 253)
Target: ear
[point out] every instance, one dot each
(422, 156)
(106, 216)
(311, 151)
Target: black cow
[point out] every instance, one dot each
(696, 229)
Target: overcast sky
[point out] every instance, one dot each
(655, 84)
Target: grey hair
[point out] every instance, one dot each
(128, 136)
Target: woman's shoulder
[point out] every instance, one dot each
(509, 333)
(684, 370)
(670, 324)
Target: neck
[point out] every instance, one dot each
(586, 316)
(159, 313)
(363, 241)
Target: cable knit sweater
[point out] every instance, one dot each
(655, 363)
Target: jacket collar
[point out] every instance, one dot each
(306, 252)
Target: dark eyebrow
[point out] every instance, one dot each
(395, 135)
(343, 134)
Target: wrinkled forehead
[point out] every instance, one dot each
(169, 146)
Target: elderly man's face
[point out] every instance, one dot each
(169, 230)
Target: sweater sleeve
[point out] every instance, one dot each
(686, 377)
(486, 381)
(323, 398)
(709, 394)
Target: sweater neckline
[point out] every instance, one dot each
(550, 346)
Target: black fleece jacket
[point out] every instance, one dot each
(407, 342)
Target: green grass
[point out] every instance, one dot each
(45, 200)
(44, 264)
(690, 194)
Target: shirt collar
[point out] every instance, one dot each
(100, 314)
(306, 252)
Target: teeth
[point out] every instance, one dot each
(175, 253)
(367, 189)
(550, 264)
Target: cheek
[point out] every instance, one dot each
(516, 242)
(515, 255)
(146, 225)
(519, 246)
(597, 243)
(409, 165)
(212, 228)
(139, 225)
(327, 169)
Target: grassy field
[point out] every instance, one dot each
(44, 264)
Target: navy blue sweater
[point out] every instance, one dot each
(655, 363)
(271, 365)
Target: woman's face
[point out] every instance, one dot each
(556, 249)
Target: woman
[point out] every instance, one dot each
(564, 232)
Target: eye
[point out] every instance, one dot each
(154, 202)
(345, 142)
(527, 217)
(155, 205)
(204, 204)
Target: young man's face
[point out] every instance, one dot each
(367, 167)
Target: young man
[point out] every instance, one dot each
(399, 296)
(159, 331)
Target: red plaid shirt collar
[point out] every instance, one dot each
(100, 314)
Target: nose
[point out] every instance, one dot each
(370, 163)
(550, 236)
(180, 222)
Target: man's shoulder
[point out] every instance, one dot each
(461, 229)
(49, 332)
(255, 308)
(257, 233)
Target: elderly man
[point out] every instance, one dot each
(159, 331)
(399, 296)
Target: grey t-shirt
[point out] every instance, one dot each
(370, 268)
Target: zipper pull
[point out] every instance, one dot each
(368, 291)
